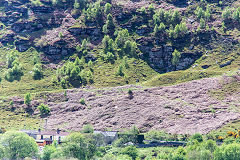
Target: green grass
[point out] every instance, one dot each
(179, 77)
(105, 73)
(231, 126)
(27, 83)
(15, 120)
(230, 88)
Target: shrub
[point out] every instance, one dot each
(179, 154)
(197, 137)
(90, 64)
(37, 72)
(44, 110)
(82, 101)
(48, 151)
(125, 63)
(27, 99)
(88, 128)
(201, 154)
(228, 152)
(15, 72)
(130, 151)
(159, 30)
(176, 18)
(120, 71)
(200, 13)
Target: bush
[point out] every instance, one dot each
(48, 151)
(120, 71)
(210, 145)
(228, 152)
(88, 128)
(82, 101)
(44, 110)
(201, 154)
(130, 151)
(202, 24)
(197, 137)
(37, 72)
(15, 72)
(179, 154)
(27, 99)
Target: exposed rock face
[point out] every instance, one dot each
(42, 9)
(7, 38)
(56, 53)
(22, 45)
(187, 59)
(27, 26)
(160, 57)
(94, 33)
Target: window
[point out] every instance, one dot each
(41, 136)
(51, 137)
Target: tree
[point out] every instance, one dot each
(44, 110)
(200, 13)
(227, 152)
(226, 14)
(78, 146)
(79, 4)
(48, 151)
(18, 145)
(176, 18)
(37, 72)
(107, 44)
(175, 57)
(109, 26)
(107, 9)
(122, 37)
(27, 99)
(202, 24)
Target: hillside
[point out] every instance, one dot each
(181, 59)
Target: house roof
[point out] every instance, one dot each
(51, 133)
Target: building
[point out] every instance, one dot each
(43, 138)
(108, 136)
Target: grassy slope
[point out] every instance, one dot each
(105, 75)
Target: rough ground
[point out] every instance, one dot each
(183, 108)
